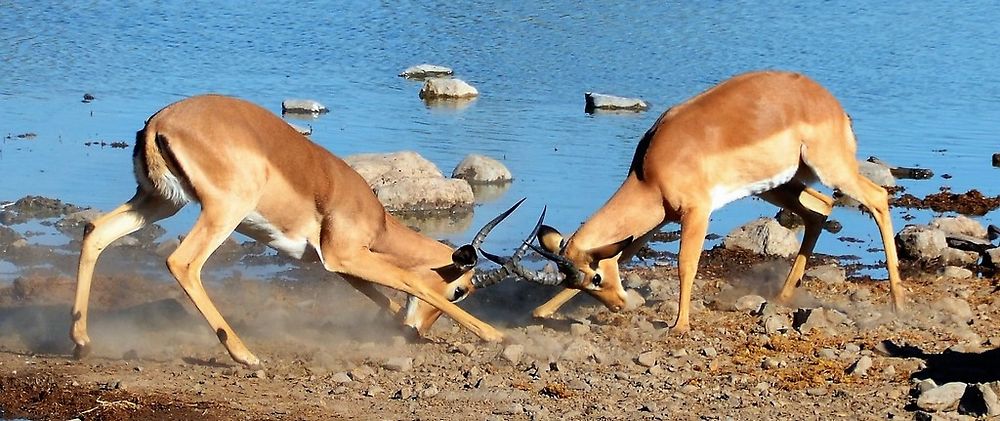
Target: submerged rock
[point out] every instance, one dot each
(904, 172)
(424, 71)
(302, 106)
(596, 101)
(481, 169)
(440, 88)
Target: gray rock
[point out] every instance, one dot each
(926, 384)
(994, 256)
(398, 364)
(579, 329)
(596, 101)
(362, 372)
(302, 106)
(513, 353)
(429, 392)
(961, 224)
(750, 304)
(990, 399)
(306, 131)
(424, 71)
(808, 319)
(942, 398)
(763, 236)
(633, 300)
(710, 352)
(878, 173)
(481, 169)
(861, 366)
(445, 88)
(407, 182)
(646, 359)
(921, 242)
(776, 324)
(341, 377)
(955, 308)
(828, 274)
(955, 272)
(827, 353)
(996, 160)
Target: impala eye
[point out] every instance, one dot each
(596, 280)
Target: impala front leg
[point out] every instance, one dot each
(694, 226)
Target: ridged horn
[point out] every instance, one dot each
(507, 265)
(464, 258)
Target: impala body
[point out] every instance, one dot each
(769, 134)
(253, 173)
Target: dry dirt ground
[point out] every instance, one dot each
(329, 354)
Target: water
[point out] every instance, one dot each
(918, 78)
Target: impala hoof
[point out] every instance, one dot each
(81, 351)
(680, 330)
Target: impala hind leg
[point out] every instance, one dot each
(813, 207)
(876, 199)
(213, 226)
(143, 209)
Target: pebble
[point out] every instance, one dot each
(828, 354)
(302, 106)
(955, 272)
(861, 367)
(578, 329)
(362, 372)
(429, 392)
(750, 304)
(679, 353)
(646, 359)
(398, 364)
(709, 352)
(828, 274)
(513, 353)
(340, 377)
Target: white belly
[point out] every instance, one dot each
(722, 195)
(259, 228)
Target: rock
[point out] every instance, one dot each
(920, 242)
(828, 274)
(961, 224)
(646, 359)
(925, 385)
(634, 281)
(996, 160)
(776, 324)
(579, 329)
(429, 392)
(750, 304)
(596, 101)
(763, 236)
(633, 300)
(481, 169)
(445, 88)
(942, 398)
(259, 374)
(424, 71)
(78, 219)
(956, 308)
(994, 257)
(341, 377)
(407, 182)
(513, 353)
(861, 366)
(302, 106)
(904, 172)
(710, 352)
(398, 364)
(306, 131)
(88, 97)
(990, 399)
(877, 173)
(955, 272)
(362, 372)
(808, 319)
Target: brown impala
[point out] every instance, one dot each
(768, 134)
(252, 173)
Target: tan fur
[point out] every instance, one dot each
(764, 133)
(238, 159)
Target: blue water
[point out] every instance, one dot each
(919, 79)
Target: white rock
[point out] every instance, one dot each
(513, 353)
(829, 274)
(633, 300)
(398, 364)
(961, 224)
(861, 366)
(921, 242)
(437, 88)
(878, 173)
(942, 398)
(750, 303)
(646, 359)
(302, 106)
(481, 169)
(990, 399)
(955, 272)
(423, 71)
(763, 236)
(596, 101)
(406, 181)
(306, 131)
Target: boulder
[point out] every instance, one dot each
(763, 236)
(596, 101)
(407, 182)
(437, 88)
(302, 106)
(942, 398)
(961, 225)
(481, 169)
(920, 242)
(424, 71)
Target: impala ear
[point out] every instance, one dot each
(610, 250)
(465, 257)
(550, 239)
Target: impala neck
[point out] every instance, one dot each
(635, 209)
(411, 249)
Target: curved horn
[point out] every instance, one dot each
(485, 230)
(506, 269)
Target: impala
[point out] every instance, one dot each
(769, 134)
(254, 174)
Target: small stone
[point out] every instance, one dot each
(942, 398)
(340, 377)
(955, 272)
(808, 319)
(709, 352)
(679, 353)
(646, 359)
(770, 363)
(374, 391)
(259, 374)
(852, 348)
(750, 304)
(482, 169)
(827, 353)
(362, 372)
(423, 71)
(579, 329)
(776, 324)
(302, 106)
(889, 371)
(512, 409)
(439, 88)
(816, 391)
(595, 101)
(828, 274)
(860, 367)
(513, 353)
(429, 392)
(633, 300)
(925, 385)
(398, 364)
(861, 294)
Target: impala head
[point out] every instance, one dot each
(460, 278)
(592, 270)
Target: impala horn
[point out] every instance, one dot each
(465, 258)
(514, 266)
(508, 267)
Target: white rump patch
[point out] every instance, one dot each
(722, 195)
(168, 186)
(259, 228)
